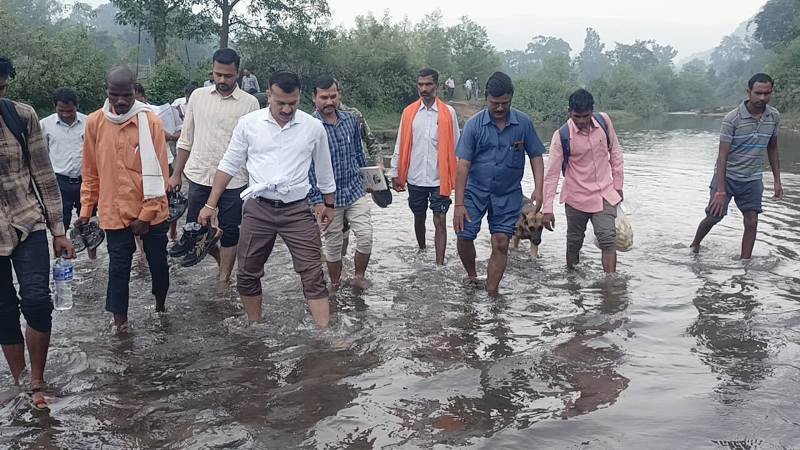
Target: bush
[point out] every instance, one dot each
(165, 83)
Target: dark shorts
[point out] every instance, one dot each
(229, 213)
(31, 261)
(421, 198)
(262, 223)
(503, 212)
(746, 194)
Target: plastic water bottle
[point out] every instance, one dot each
(63, 272)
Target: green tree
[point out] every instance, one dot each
(473, 53)
(164, 19)
(592, 62)
(778, 23)
(431, 45)
(539, 49)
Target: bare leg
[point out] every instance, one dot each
(173, 231)
(120, 320)
(252, 307)
(609, 261)
(335, 274)
(320, 311)
(214, 252)
(161, 303)
(419, 231)
(227, 259)
(361, 261)
(572, 261)
(38, 343)
(497, 263)
(749, 236)
(466, 251)
(440, 237)
(15, 355)
(702, 230)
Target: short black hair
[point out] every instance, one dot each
(428, 72)
(287, 81)
(65, 95)
(325, 83)
(759, 78)
(498, 85)
(189, 88)
(7, 68)
(227, 56)
(138, 88)
(581, 101)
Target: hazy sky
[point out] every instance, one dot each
(689, 25)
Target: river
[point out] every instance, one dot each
(677, 351)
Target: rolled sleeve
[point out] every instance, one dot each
(323, 167)
(616, 159)
(726, 132)
(236, 156)
(533, 145)
(553, 173)
(187, 132)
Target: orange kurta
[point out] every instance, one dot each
(112, 172)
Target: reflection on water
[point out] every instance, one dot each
(678, 351)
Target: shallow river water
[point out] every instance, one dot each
(677, 351)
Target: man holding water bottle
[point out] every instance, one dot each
(30, 203)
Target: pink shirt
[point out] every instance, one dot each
(594, 174)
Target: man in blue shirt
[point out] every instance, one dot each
(491, 163)
(347, 158)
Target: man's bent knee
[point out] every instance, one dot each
(38, 316)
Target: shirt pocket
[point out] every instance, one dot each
(129, 154)
(10, 156)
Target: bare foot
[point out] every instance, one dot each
(695, 248)
(334, 288)
(360, 282)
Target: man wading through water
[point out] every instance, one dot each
(749, 134)
(424, 159)
(25, 170)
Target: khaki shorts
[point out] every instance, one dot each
(603, 223)
(359, 218)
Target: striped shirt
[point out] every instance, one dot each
(207, 128)
(347, 157)
(21, 212)
(749, 138)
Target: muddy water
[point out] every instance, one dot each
(677, 351)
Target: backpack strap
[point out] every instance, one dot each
(16, 125)
(563, 132)
(604, 125)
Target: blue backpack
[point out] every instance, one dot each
(564, 133)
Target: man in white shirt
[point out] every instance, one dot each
(468, 88)
(250, 82)
(211, 115)
(424, 159)
(450, 85)
(277, 146)
(63, 132)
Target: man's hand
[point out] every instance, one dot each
(325, 217)
(621, 195)
(207, 216)
(549, 221)
(460, 215)
(537, 199)
(778, 190)
(62, 245)
(717, 204)
(175, 182)
(396, 185)
(80, 221)
(319, 209)
(139, 227)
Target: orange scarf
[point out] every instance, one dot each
(447, 148)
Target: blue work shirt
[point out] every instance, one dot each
(497, 157)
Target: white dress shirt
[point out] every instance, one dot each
(65, 143)
(424, 168)
(278, 159)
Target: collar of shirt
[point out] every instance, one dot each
(236, 94)
(433, 107)
(744, 113)
(318, 115)
(511, 118)
(77, 121)
(573, 129)
(296, 119)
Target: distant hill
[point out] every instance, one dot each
(743, 31)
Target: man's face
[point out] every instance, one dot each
(3, 86)
(499, 106)
(67, 112)
(427, 88)
(225, 77)
(247, 72)
(582, 120)
(327, 100)
(121, 97)
(282, 104)
(760, 95)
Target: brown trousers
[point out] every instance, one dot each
(262, 223)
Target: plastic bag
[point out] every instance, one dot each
(624, 229)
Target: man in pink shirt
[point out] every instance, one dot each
(593, 177)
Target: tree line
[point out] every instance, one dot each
(376, 59)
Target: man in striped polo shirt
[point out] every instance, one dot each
(749, 133)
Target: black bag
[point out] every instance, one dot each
(16, 125)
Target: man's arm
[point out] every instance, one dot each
(465, 152)
(185, 142)
(44, 178)
(775, 165)
(554, 163)
(535, 149)
(615, 158)
(90, 185)
(231, 163)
